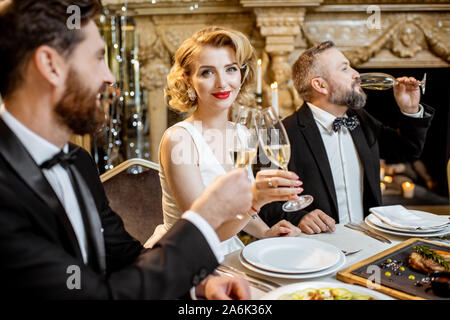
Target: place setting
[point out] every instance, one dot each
(397, 220)
(292, 258)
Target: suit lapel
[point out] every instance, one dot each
(310, 131)
(20, 160)
(365, 155)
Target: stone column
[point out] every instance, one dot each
(280, 26)
(280, 23)
(154, 66)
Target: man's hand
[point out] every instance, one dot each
(317, 221)
(282, 229)
(407, 94)
(224, 288)
(226, 197)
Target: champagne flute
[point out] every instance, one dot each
(383, 81)
(275, 143)
(245, 140)
(245, 144)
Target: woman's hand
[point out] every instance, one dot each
(282, 229)
(275, 185)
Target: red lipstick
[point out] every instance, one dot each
(222, 95)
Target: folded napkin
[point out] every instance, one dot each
(399, 217)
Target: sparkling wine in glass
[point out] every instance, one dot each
(245, 144)
(383, 81)
(275, 143)
(242, 157)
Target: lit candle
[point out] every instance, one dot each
(274, 87)
(387, 179)
(259, 78)
(408, 189)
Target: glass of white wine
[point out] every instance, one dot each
(383, 81)
(245, 144)
(275, 143)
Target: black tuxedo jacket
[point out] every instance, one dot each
(39, 249)
(373, 141)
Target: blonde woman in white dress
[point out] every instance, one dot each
(214, 69)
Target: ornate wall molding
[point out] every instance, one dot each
(405, 39)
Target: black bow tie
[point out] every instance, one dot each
(350, 123)
(62, 158)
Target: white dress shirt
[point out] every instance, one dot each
(346, 167)
(42, 150)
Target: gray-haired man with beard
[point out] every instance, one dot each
(336, 145)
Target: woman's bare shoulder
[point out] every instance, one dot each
(175, 135)
(178, 146)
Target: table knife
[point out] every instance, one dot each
(369, 233)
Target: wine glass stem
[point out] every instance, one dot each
(420, 83)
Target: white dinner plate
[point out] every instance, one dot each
(378, 222)
(291, 255)
(310, 275)
(288, 289)
(407, 233)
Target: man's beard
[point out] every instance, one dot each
(353, 98)
(78, 109)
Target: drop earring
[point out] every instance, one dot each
(191, 93)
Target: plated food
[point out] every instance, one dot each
(325, 294)
(324, 290)
(424, 259)
(403, 271)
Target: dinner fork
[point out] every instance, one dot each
(347, 253)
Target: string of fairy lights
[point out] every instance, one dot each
(126, 134)
(125, 104)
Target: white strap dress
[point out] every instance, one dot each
(210, 168)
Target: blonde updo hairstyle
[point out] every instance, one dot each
(176, 93)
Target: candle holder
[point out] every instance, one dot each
(259, 99)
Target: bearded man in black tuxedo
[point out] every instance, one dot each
(54, 216)
(336, 145)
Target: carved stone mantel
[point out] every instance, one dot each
(411, 33)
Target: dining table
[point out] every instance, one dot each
(343, 238)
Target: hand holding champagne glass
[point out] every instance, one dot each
(275, 143)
